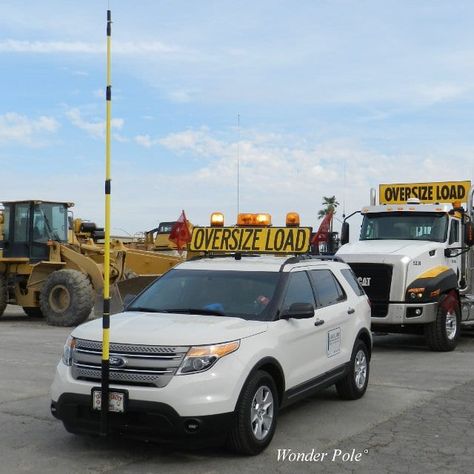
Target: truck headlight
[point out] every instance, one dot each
(201, 358)
(68, 350)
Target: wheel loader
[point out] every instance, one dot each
(52, 264)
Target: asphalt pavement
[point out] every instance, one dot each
(417, 416)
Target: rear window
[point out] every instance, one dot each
(348, 274)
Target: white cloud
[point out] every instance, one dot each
(95, 128)
(199, 142)
(21, 129)
(145, 141)
(181, 96)
(82, 47)
(442, 92)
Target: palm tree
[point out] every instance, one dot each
(329, 204)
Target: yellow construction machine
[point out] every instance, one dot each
(157, 239)
(52, 264)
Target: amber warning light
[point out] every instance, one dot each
(248, 219)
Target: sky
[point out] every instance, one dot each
(306, 99)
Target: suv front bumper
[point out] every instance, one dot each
(143, 419)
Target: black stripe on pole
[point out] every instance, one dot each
(105, 376)
(109, 23)
(108, 186)
(108, 93)
(104, 428)
(106, 322)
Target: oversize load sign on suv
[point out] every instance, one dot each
(251, 239)
(442, 192)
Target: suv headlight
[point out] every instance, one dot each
(201, 358)
(68, 350)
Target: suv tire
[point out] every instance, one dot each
(255, 415)
(354, 384)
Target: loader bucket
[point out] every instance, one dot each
(133, 286)
(119, 291)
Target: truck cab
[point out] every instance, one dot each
(414, 261)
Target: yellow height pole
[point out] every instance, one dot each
(106, 314)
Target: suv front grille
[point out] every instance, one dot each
(376, 279)
(130, 364)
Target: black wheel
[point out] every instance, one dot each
(354, 384)
(442, 335)
(67, 298)
(3, 294)
(33, 312)
(255, 415)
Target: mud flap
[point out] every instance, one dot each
(450, 302)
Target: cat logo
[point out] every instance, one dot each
(364, 281)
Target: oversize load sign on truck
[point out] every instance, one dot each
(251, 239)
(442, 192)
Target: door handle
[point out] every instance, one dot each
(350, 311)
(319, 322)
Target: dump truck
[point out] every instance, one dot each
(415, 259)
(52, 264)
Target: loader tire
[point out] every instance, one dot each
(3, 294)
(67, 298)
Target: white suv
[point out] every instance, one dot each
(216, 347)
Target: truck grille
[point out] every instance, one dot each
(130, 364)
(376, 279)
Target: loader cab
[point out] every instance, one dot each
(29, 225)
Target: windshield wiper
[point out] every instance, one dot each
(142, 308)
(213, 312)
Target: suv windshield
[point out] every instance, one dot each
(405, 226)
(221, 293)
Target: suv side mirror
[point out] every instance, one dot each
(299, 311)
(469, 234)
(345, 233)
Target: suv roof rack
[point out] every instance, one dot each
(303, 257)
(236, 255)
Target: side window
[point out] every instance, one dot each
(22, 223)
(6, 224)
(348, 274)
(454, 232)
(328, 289)
(298, 290)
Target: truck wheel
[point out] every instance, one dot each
(354, 384)
(33, 312)
(3, 294)
(442, 335)
(66, 298)
(255, 415)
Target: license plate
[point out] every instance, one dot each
(116, 401)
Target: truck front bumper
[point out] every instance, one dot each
(400, 314)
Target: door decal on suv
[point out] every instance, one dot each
(334, 342)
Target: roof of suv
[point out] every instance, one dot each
(262, 263)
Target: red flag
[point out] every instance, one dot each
(322, 235)
(180, 233)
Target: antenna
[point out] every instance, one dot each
(344, 190)
(238, 164)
